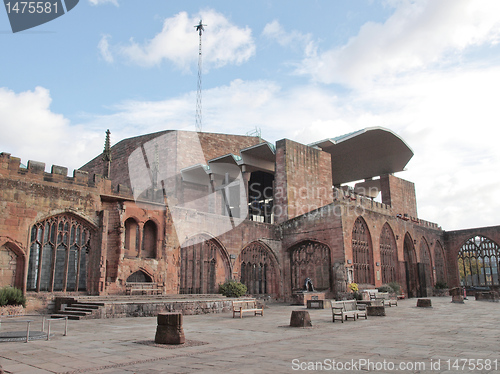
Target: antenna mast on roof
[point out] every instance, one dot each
(200, 29)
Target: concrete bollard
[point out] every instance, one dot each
(169, 329)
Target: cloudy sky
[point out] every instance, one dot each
(427, 70)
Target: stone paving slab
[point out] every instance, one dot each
(407, 335)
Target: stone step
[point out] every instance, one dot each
(59, 315)
(78, 308)
(88, 305)
(74, 313)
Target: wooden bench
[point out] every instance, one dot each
(348, 309)
(388, 299)
(143, 288)
(242, 306)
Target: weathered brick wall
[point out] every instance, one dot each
(375, 220)
(303, 179)
(400, 194)
(30, 195)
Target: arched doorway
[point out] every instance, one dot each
(259, 270)
(204, 265)
(310, 259)
(59, 247)
(139, 277)
(410, 263)
(478, 262)
(362, 253)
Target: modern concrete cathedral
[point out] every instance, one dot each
(186, 211)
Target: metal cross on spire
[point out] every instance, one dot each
(200, 30)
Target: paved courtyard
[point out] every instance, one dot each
(447, 338)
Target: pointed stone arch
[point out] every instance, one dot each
(388, 255)
(259, 269)
(140, 276)
(204, 264)
(478, 262)
(12, 260)
(362, 252)
(410, 264)
(440, 263)
(425, 276)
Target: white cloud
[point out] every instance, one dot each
(419, 34)
(274, 31)
(223, 43)
(31, 131)
(103, 47)
(100, 2)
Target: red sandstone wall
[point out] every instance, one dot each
(30, 195)
(400, 194)
(303, 179)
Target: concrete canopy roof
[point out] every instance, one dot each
(365, 154)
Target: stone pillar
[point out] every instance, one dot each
(300, 318)
(169, 329)
(424, 303)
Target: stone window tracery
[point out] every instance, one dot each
(58, 254)
(362, 253)
(478, 262)
(200, 261)
(388, 255)
(310, 260)
(259, 270)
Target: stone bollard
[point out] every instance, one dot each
(169, 329)
(424, 303)
(300, 318)
(375, 310)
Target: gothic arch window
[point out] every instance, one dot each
(478, 262)
(259, 270)
(410, 261)
(362, 253)
(425, 259)
(132, 238)
(58, 254)
(388, 255)
(439, 263)
(203, 266)
(149, 238)
(310, 260)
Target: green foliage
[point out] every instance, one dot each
(385, 288)
(440, 285)
(231, 288)
(396, 287)
(12, 296)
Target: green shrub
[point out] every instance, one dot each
(385, 288)
(441, 285)
(12, 296)
(396, 287)
(231, 288)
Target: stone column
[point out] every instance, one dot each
(169, 329)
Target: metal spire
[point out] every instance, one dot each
(200, 30)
